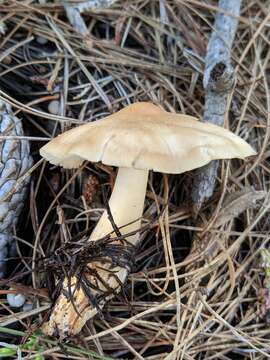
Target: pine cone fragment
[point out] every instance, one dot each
(15, 161)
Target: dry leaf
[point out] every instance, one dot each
(238, 202)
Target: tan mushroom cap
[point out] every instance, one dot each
(143, 136)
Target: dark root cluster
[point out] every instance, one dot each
(78, 259)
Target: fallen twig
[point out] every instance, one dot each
(74, 10)
(75, 18)
(218, 81)
(93, 4)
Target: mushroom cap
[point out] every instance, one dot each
(143, 136)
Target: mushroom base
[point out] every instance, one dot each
(126, 206)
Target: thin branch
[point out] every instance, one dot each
(74, 10)
(94, 4)
(75, 18)
(218, 82)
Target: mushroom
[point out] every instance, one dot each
(136, 139)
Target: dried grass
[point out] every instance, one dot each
(202, 306)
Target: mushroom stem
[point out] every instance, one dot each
(126, 206)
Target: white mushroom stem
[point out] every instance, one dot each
(126, 206)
